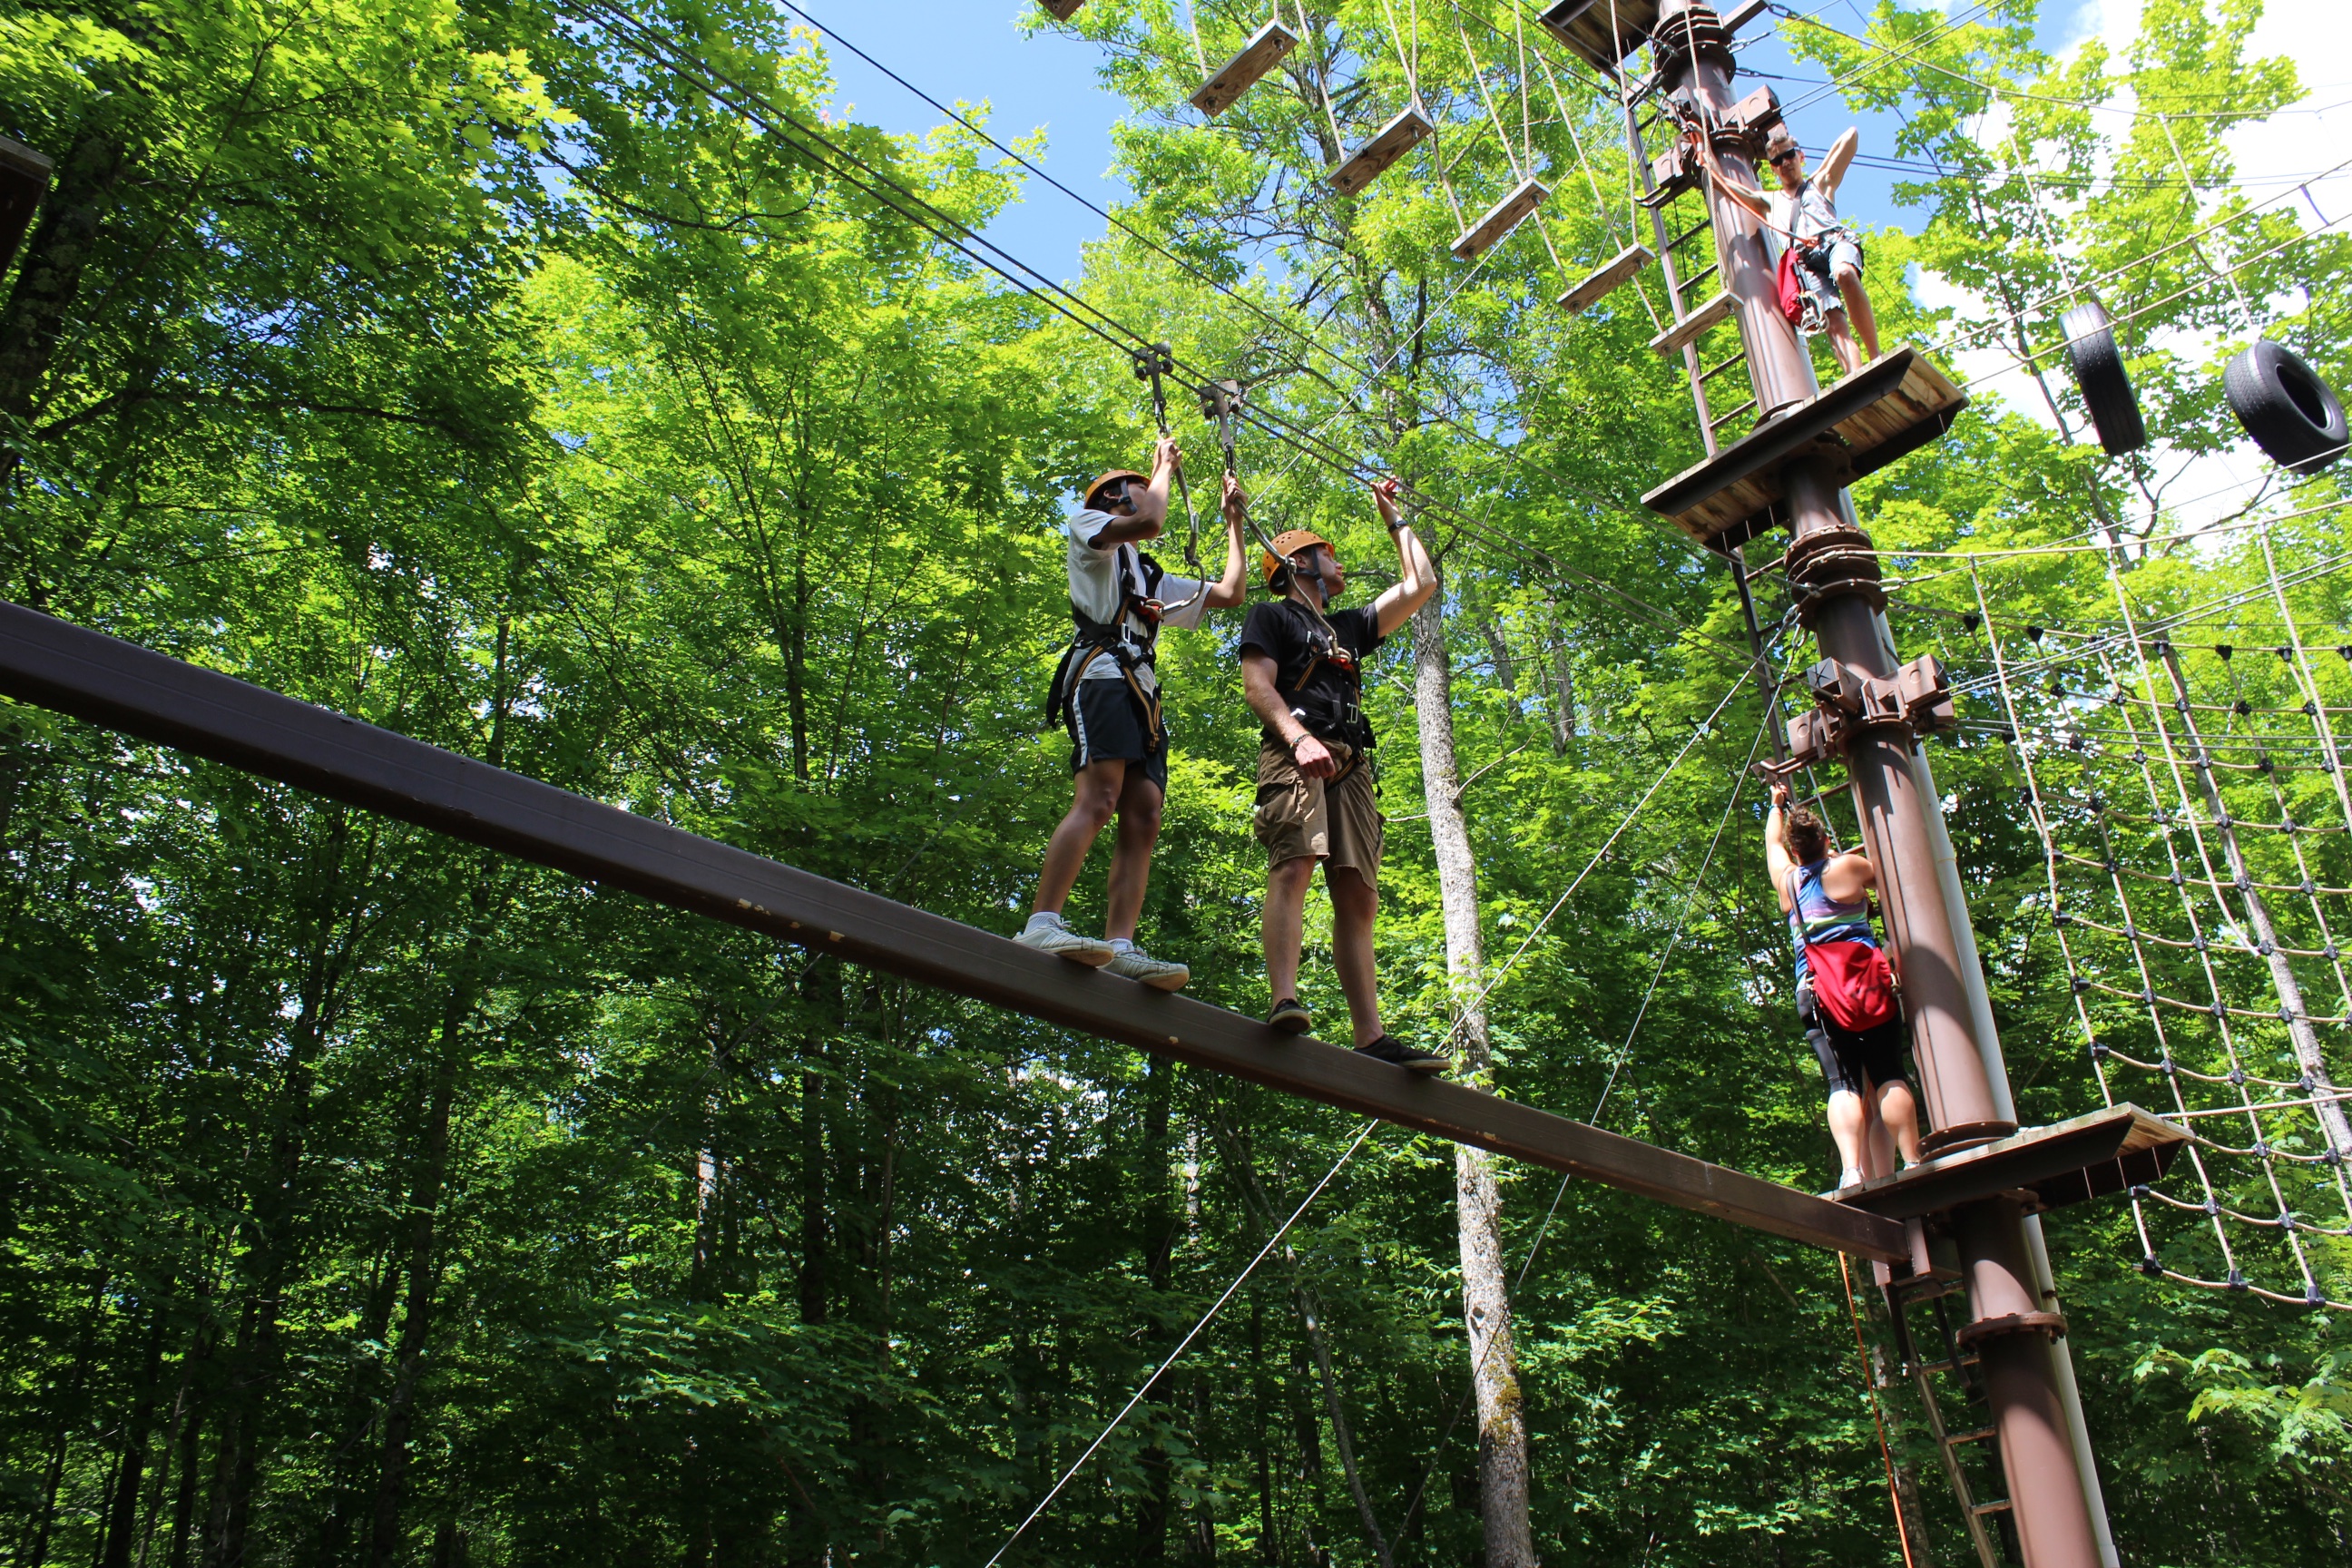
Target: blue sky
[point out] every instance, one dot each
(974, 50)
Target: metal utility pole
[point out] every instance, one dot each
(1793, 469)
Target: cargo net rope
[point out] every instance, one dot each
(2184, 775)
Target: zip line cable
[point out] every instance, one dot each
(1272, 318)
(1111, 331)
(1182, 1346)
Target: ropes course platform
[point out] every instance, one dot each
(2071, 1162)
(122, 687)
(1889, 408)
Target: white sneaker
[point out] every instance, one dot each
(1059, 940)
(1160, 973)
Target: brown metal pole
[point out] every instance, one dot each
(1834, 569)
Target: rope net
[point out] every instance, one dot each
(2185, 776)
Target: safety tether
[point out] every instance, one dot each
(1153, 364)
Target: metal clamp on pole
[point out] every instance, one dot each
(1916, 698)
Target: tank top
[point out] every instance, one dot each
(1807, 214)
(1817, 917)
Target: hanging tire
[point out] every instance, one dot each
(2288, 411)
(2099, 372)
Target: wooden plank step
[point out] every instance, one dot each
(1983, 1508)
(1245, 70)
(1714, 314)
(1062, 10)
(136, 691)
(1390, 142)
(1501, 219)
(1611, 276)
(1601, 31)
(1978, 1436)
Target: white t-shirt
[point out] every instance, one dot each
(1094, 589)
(1807, 214)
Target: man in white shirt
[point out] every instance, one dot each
(1803, 212)
(1107, 694)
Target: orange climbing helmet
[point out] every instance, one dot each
(1117, 476)
(1274, 563)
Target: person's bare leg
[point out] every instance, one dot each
(1284, 924)
(1095, 800)
(1858, 310)
(1847, 1115)
(1355, 905)
(1878, 1145)
(1899, 1112)
(1842, 343)
(1140, 804)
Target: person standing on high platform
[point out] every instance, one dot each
(1302, 672)
(1107, 694)
(1844, 993)
(1803, 213)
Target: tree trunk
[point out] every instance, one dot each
(1158, 1243)
(1485, 1293)
(1563, 683)
(424, 1210)
(122, 1516)
(1507, 669)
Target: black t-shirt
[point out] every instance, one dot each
(1328, 703)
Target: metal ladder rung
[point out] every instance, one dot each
(1721, 420)
(1707, 375)
(1695, 279)
(1978, 1436)
(1691, 233)
(1983, 1508)
(1938, 1368)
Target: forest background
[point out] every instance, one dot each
(564, 385)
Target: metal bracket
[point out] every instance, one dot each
(1916, 698)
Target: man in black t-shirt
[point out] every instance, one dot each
(1301, 668)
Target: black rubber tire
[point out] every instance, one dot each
(2292, 415)
(2099, 372)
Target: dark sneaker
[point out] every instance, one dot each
(1412, 1058)
(1290, 1017)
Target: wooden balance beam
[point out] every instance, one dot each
(155, 697)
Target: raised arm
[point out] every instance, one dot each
(1416, 574)
(1149, 518)
(1230, 589)
(1732, 185)
(1835, 163)
(1777, 863)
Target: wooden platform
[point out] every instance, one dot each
(1693, 327)
(1371, 161)
(1243, 72)
(1611, 276)
(1501, 219)
(1602, 31)
(145, 694)
(1891, 407)
(1062, 10)
(2071, 1162)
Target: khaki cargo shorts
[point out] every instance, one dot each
(1300, 818)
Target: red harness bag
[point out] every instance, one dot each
(1853, 982)
(1792, 287)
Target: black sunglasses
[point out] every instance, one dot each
(1113, 493)
(1780, 158)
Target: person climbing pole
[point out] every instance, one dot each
(1802, 215)
(1107, 695)
(1302, 673)
(1845, 993)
